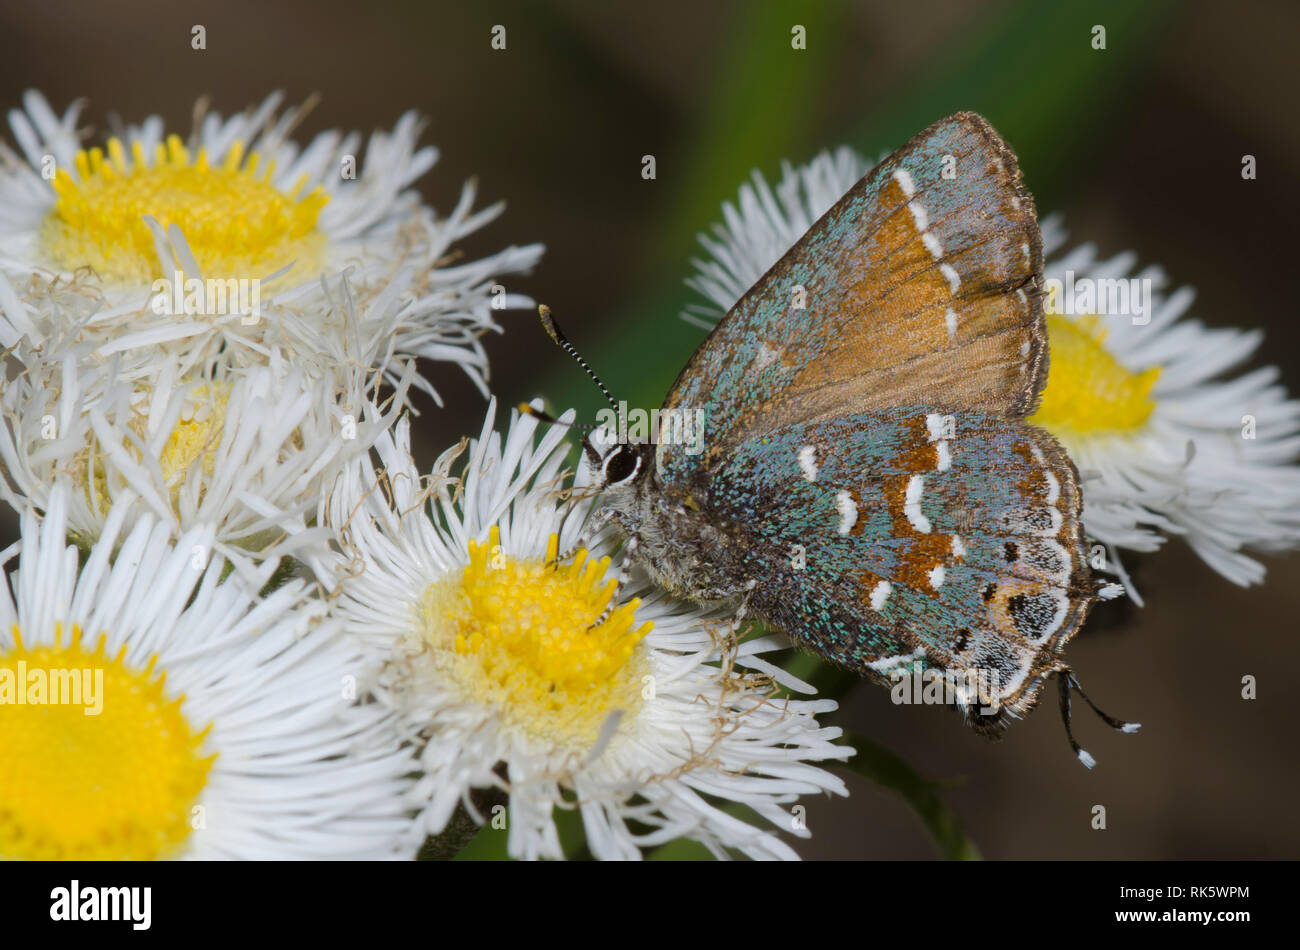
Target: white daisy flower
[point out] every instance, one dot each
(150, 710)
(762, 226)
(1162, 447)
(633, 711)
(1164, 443)
(246, 451)
(220, 241)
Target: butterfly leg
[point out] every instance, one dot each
(742, 608)
(589, 532)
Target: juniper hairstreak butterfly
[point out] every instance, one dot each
(868, 483)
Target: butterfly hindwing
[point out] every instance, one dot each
(917, 288)
(911, 539)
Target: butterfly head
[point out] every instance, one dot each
(610, 465)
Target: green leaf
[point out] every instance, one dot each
(683, 849)
(878, 764)
(572, 832)
(488, 845)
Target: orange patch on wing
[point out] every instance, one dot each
(1030, 466)
(922, 456)
(924, 552)
(901, 265)
(1035, 483)
(866, 582)
(896, 273)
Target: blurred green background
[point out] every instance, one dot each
(1139, 144)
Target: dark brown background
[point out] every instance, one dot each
(1140, 145)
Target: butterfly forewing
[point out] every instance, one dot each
(918, 287)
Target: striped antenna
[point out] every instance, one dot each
(562, 341)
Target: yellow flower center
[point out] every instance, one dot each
(237, 223)
(197, 433)
(1088, 391)
(195, 438)
(95, 762)
(521, 636)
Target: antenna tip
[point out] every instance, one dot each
(1086, 759)
(548, 323)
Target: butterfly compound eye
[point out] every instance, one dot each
(621, 465)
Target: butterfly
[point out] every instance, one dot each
(868, 483)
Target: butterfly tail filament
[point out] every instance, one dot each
(1067, 681)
